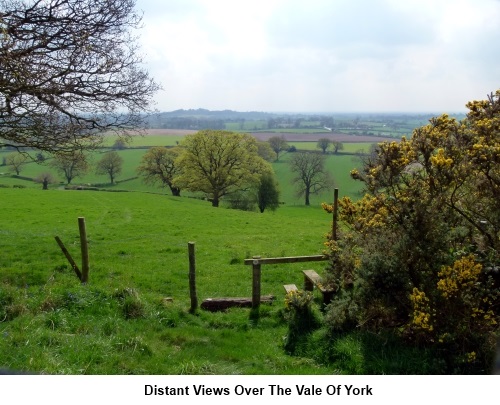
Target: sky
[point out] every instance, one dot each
(321, 55)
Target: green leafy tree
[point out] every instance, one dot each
(310, 174)
(266, 152)
(16, 161)
(158, 165)
(119, 144)
(278, 145)
(218, 163)
(323, 144)
(111, 164)
(268, 193)
(71, 165)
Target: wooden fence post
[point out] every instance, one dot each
(335, 213)
(192, 277)
(85, 249)
(70, 259)
(256, 282)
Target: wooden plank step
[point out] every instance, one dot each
(224, 303)
(311, 279)
(290, 287)
(314, 277)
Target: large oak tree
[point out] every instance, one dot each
(70, 70)
(218, 163)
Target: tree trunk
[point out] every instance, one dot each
(215, 201)
(307, 196)
(176, 191)
(45, 184)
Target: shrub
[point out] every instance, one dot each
(418, 246)
(133, 308)
(241, 200)
(300, 317)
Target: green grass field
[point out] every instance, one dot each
(133, 315)
(139, 242)
(348, 147)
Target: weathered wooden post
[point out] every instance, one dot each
(256, 282)
(192, 277)
(70, 259)
(85, 249)
(335, 213)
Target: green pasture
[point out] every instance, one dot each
(133, 317)
(247, 125)
(146, 140)
(138, 248)
(348, 147)
(141, 238)
(339, 166)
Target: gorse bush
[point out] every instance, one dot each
(418, 253)
(301, 318)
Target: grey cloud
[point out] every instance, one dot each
(346, 23)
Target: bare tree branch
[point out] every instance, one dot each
(70, 70)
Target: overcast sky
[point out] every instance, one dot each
(322, 55)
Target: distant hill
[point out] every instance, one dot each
(357, 123)
(222, 114)
(204, 119)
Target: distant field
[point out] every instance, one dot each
(340, 165)
(348, 147)
(170, 137)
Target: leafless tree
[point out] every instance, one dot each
(70, 70)
(337, 146)
(310, 174)
(323, 144)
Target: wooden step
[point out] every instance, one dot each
(290, 287)
(313, 279)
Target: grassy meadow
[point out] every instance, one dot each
(138, 248)
(133, 317)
